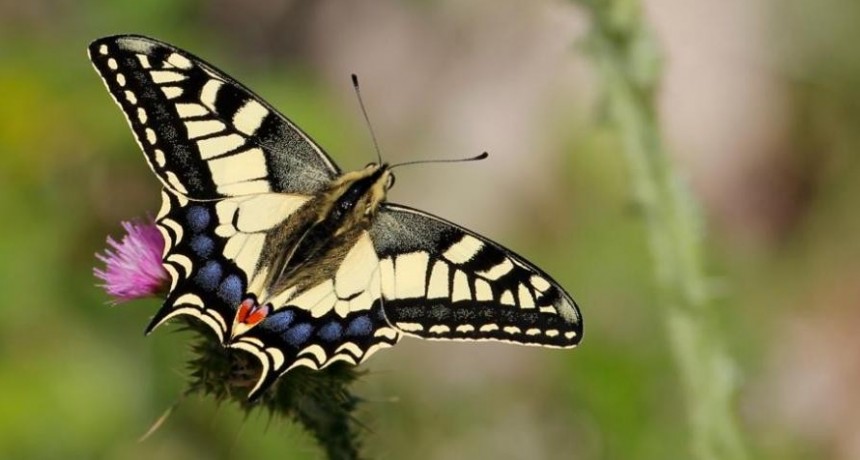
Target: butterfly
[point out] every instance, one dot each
(286, 257)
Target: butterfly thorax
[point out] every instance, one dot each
(313, 242)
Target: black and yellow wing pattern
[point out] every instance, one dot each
(234, 170)
(284, 256)
(441, 281)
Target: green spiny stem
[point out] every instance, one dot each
(626, 57)
(320, 401)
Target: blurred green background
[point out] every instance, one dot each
(760, 105)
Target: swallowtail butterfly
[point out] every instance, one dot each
(288, 258)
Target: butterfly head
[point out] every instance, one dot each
(362, 191)
(381, 173)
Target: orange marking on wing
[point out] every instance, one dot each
(258, 315)
(245, 309)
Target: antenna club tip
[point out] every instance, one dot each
(483, 155)
(354, 80)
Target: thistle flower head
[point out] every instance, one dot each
(319, 400)
(133, 266)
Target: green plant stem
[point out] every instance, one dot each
(319, 401)
(627, 62)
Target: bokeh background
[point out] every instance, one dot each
(760, 105)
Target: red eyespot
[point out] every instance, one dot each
(251, 313)
(245, 308)
(258, 314)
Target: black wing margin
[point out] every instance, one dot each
(441, 281)
(205, 135)
(293, 337)
(204, 283)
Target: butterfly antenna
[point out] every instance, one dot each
(452, 160)
(366, 118)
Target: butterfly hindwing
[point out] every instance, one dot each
(441, 281)
(338, 318)
(193, 259)
(216, 251)
(205, 135)
(294, 337)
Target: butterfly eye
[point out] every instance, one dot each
(391, 181)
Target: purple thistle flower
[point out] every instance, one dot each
(133, 267)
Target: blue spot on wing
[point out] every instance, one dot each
(202, 245)
(359, 326)
(231, 290)
(298, 334)
(280, 321)
(198, 218)
(330, 332)
(209, 276)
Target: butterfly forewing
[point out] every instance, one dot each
(205, 135)
(441, 281)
